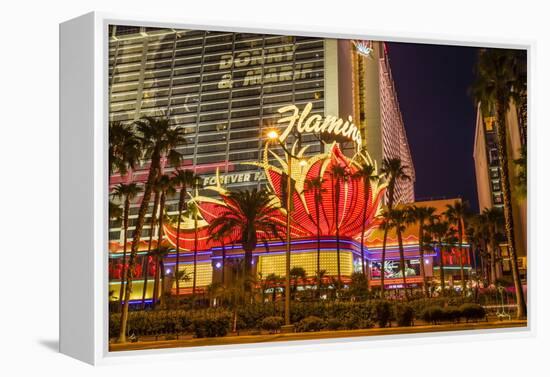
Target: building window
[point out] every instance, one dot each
(489, 123)
(493, 156)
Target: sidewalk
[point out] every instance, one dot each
(243, 339)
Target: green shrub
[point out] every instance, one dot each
(472, 311)
(311, 323)
(404, 315)
(334, 324)
(272, 323)
(215, 326)
(432, 314)
(251, 316)
(383, 312)
(452, 314)
(114, 325)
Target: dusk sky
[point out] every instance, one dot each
(432, 84)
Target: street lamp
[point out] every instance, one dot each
(273, 135)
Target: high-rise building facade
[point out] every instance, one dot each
(488, 179)
(385, 133)
(227, 90)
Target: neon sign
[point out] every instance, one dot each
(304, 122)
(363, 48)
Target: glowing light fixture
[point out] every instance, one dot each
(272, 135)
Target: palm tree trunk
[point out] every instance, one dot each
(337, 223)
(124, 270)
(402, 260)
(363, 265)
(391, 192)
(146, 261)
(421, 251)
(153, 174)
(493, 264)
(180, 210)
(507, 199)
(223, 263)
(383, 262)
(196, 245)
(441, 267)
(462, 280)
(157, 288)
(317, 208)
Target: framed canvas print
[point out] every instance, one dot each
(223, 186)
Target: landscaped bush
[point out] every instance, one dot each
(251, 316)
(432, 314)
(161, 322)
(114, 325)
(452, 314)
(383, 310)
(334, 324)
(404, 315)
(272, 323)
(214, 326)
(311, 323)
(472, 312)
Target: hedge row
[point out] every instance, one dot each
(305, 316)
(468, 311)
(210, 322)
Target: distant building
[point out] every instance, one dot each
(488, 180)
(377, 106)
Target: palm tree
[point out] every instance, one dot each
(366, 174)
(125, 193)
(115, 212)
(339, 174)
(456, 214)
(359, 287)
(297, 273)
(394, 171)
(316, 185)
(439, 229)
(482, 230)
(152, 225)
(521, 177)
(495, 87)
(273, 280)
(397, 219)
(158, 139)
(250, 214)
(124, 147)
(321, 280)
(214, 290)
(194, 209)
(165, 186)
(158, 289)
(222, 238)
(495, 223)
(183, 179)
(422, 215)
(449, 240)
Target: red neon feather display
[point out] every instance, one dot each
(353, 198)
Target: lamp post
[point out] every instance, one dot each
(274, 136)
